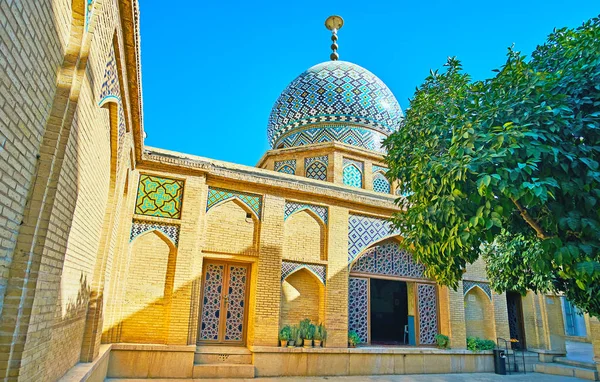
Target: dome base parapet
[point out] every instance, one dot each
(350, 135)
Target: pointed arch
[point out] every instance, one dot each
(229, 218)
(352, 176)
(302, 296)
(305, 236)
(381, 183)
(316, 170)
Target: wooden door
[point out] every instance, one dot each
(224, 303)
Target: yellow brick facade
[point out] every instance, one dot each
(73, 278)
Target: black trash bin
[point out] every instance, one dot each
(500, 361)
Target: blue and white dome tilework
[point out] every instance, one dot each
(334, 100)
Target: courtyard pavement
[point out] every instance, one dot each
(476, 377)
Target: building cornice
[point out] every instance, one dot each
(170, 161)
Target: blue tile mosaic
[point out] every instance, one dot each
(485, 287)
(293, 207)
(139, 227)
(333, 92)
(217, 195)
(329, 133)
(364, 231)
(353, 173)
(288, 267)
(286, 166)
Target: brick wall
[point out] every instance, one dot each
(302, 296)
(304, 237)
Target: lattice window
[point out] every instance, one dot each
(427, 307)
(316, 168)
(236, 302)
(358, 307)
(160, 197)
(381, 184)
(211, 302)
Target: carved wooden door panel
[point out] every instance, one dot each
(223, 304)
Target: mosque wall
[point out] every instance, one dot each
(101, 244)
(64, 159)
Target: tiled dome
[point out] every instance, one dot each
(334, 101)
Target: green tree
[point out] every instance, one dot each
(517, 153)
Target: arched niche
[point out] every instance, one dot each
(231, 227)
(304, 236)
(149, 288)
(479, 316)
(302, 296)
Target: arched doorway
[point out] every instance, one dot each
(391, 302)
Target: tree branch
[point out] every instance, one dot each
(525, 215)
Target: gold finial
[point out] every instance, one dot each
(334, 23)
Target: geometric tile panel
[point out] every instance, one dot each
(236, 301)
(293, 207)
(286, 166)
(159, 197)
(211, 302)
(364, 231)
(316, 167)
(354, 136)
(389, 260)
(358, 307)
(485, 287)
(334, 91)
(380, 183)
(427, 308)
(353, 173)
(217, 195)
(139, 227)
(289, 267)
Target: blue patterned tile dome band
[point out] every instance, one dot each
(334, 101)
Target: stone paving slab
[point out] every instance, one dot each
(474, 377)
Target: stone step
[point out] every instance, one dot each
(570, 362)
(567, 371)
(224, 370)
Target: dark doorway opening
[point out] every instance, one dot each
(389, 312)
(515, 319)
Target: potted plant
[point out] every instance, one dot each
(309, 336)
(293, 336)
(299, 337)
(320, 335)
(353, 339)
(284, 335)
(443, 342)
(303, 332)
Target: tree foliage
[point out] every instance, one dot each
(518, 152)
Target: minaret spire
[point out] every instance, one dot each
(334, 23)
